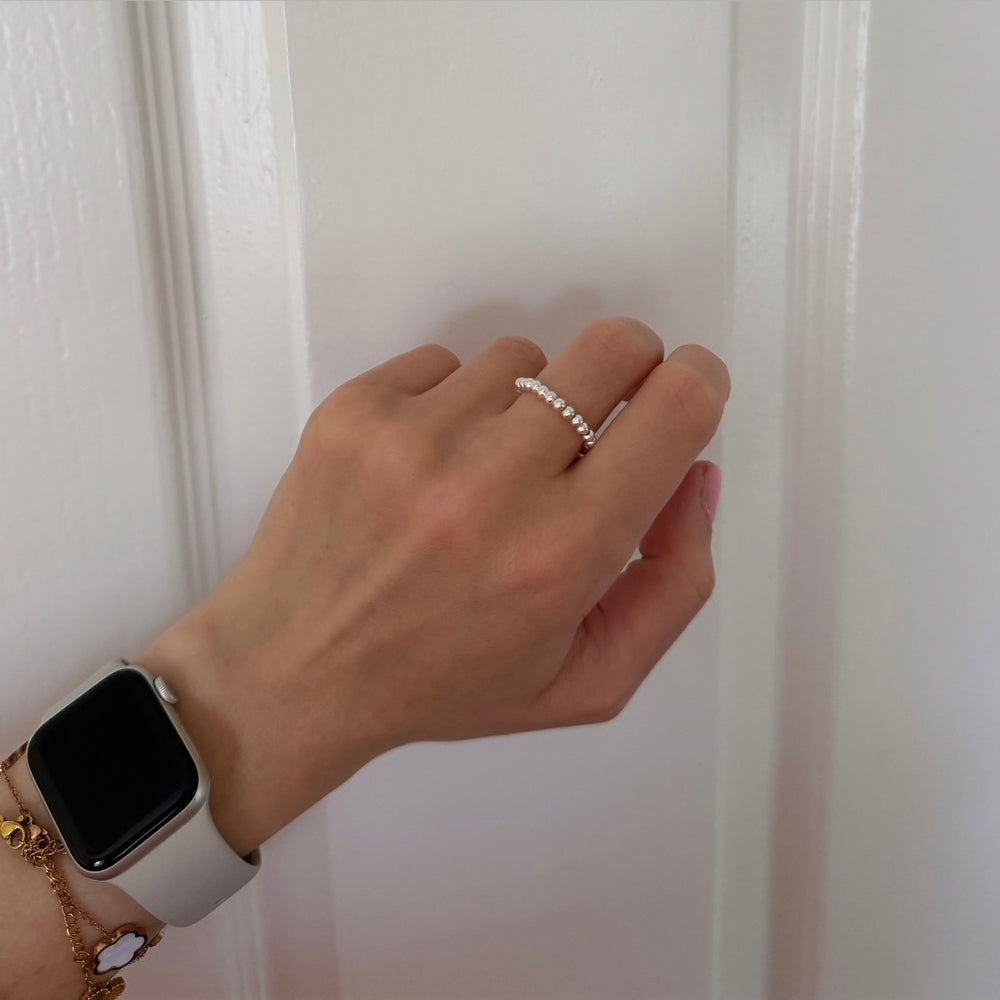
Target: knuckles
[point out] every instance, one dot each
(628, 342)
(340, 424)
(526, 353)
(695, 395)
(444, 356)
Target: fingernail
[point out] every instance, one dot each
(711, 489)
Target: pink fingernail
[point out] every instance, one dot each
(711, 489)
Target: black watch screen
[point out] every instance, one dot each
(112, 769)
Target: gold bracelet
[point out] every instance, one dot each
(116, 949)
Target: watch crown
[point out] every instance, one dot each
(164, 690)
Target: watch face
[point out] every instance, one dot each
(112, 769)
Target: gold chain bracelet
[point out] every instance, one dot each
(116, 949)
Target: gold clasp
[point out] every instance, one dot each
(16, 832)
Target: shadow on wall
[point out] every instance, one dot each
(552, 324)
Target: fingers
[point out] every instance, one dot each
(640, 616)
(592, 374)
(412, 372)
(641, 457)
(484, 386)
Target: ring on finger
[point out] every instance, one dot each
(547, 395)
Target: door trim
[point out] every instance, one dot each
(223, 265)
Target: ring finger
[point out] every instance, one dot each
(605, 361)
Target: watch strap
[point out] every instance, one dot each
(186, 876)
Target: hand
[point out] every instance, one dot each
(436, 564)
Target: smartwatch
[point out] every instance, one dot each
(128, 795)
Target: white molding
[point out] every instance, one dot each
(169, 165)
(234, 260)
(822, 270)
(171, 276)
(226, 287)
(798, 78)
(765, 67)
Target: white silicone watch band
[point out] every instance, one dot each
(189, 874)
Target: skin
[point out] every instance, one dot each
(435, 564)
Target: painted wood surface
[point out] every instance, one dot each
(466, 172)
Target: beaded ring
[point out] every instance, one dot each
(544, 393)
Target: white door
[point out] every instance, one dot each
(213, 213)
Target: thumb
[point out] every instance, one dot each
(683, 528)
(644, 611)
(675, 575)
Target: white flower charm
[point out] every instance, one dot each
(117, 950)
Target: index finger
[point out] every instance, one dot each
(645, 452)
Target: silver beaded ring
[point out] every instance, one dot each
(543, 392)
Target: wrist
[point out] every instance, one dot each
(227, 673)
(186, 656)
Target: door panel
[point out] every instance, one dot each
(469, 171)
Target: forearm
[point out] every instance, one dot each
(253, 792)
